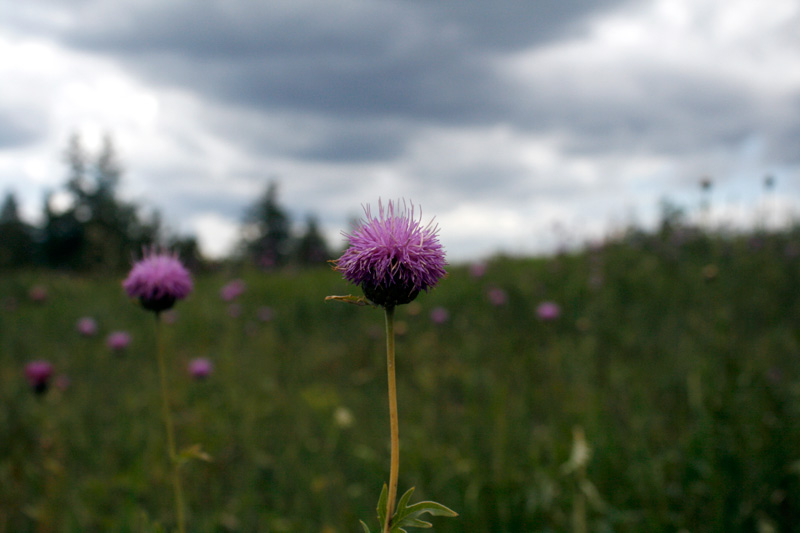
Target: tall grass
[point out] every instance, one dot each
(677, 356)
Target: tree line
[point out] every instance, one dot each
(86, 227)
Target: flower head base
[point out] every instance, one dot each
(159, 279)
(38, 375)
(393, 257)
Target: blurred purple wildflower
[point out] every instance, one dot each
(232, 290)
(548, 311)
(87, 326)
(38, 375)
(477, 270)
(497, 296)
(62, 382)
(439, 315)
(200, 368)
(393, 257)
(265, 313)
(118, 340)
(158, 280)
(38, 294)
(234, 310)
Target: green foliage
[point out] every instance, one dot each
(407, 516)
(678, 356)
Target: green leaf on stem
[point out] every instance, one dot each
(408, 515)
(350, 299)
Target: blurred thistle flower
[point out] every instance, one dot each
(38, 293)
(497, 296)
(200, 368)
(158, 280)
(477, 270)
(118, 340)
(62, 382)
(38, 375)
(548, 311)
(87, 326)
(439, 315)
(234, 310)
(232, 290)
(393, 257)
(265, 314)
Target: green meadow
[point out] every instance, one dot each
(675, 356)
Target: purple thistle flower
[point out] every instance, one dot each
(439, 315)
(200, 368)
(38, 375)
(118, 340)
(87, 326)
(548, 311)
(158, 280)
(393, 257)
(232, 290)
(38, 293)
(265, 313)
(497, 296)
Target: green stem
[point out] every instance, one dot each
(173, 457)
(395, 464)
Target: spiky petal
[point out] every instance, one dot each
(159, 279)
(393, 257)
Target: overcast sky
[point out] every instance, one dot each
(518, 125)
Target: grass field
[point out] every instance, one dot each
(676, 357)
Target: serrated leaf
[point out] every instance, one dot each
(409, 516)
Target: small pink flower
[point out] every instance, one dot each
(38, 375)
(265, 314)
(477, 270)
(497, 296)
(117, 341)
(87, 326)
(38, 294)
(232, 290)
(439, 315)
(200, 368)
(62, 382)
(548, 311)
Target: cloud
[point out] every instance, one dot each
(501, 119)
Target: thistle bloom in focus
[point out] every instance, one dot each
(393, 257)
(38, 375)
(158, 280)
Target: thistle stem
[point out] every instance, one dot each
(173, 457)
(395, 458)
